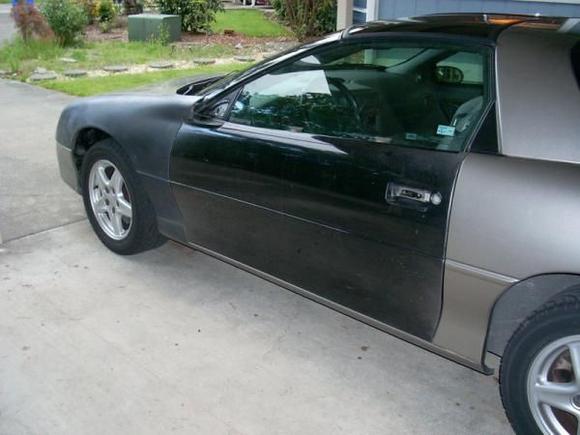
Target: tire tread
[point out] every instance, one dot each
(545, 317)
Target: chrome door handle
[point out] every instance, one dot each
(396, 193)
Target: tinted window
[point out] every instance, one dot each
(377, 92)
(470, 64)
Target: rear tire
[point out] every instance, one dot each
(540, 370)
(116, 204)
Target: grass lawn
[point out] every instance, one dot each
(253, 23)
(24, 58)
(88, 86)
(5, 1)
(92, 56)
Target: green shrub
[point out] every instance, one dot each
(66, 18)
(196, 15)
(106, 11)
(105, 26)
(307, 18)
(326, 18)
(279, 9)
(91, 9)
(132, 7)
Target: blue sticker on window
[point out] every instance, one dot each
(445, 130)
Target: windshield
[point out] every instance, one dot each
(220, 84)
(374, 56)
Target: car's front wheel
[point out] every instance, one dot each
(116, 204)
(540, 372)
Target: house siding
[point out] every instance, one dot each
(389, 9)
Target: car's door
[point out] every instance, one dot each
(334, 174)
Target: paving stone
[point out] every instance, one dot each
(203, 61)
(280, 46)
(75, 73)
(162, 65)
(40, 70)
(68, 60)
(244, 58)
(40, 76)
(115, 68)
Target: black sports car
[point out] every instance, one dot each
(420, 176)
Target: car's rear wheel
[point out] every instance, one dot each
(115, 202)
(540, 372)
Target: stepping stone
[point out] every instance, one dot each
(244, 58)
(40, 76)
(3, 73)
(115, 68)
(68, 60)
(75, 73)
(162, 65)
(40, 70)
(203, 61)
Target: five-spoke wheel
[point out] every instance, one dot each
(110, 199)
(554, 386)
(116, 203)
(540, 371)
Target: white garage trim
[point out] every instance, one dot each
(373, 10)
(344, 14)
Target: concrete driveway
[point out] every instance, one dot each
(7, 29)
(173, 341)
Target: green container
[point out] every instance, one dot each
(145, 27)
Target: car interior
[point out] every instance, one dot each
(416, 96)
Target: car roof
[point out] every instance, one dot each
(480, 25)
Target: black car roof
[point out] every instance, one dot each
(477, 25)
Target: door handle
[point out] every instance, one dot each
(397, 194)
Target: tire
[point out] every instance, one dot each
(139, 232)
(544, 344)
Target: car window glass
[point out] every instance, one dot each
(386, 57)
(385, 93)
(470, 64)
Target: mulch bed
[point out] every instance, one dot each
(93, 34)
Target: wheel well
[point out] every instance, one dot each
(86, 138)
(519, 301)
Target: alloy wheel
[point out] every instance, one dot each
(554, 387)
(110, 200)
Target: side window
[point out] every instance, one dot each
(300, 101)
(377, 92)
